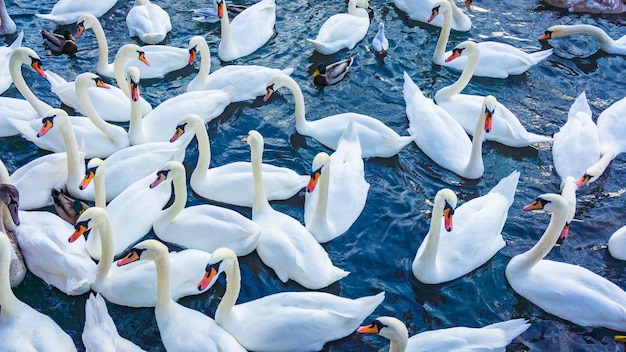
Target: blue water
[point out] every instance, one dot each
(380, 246)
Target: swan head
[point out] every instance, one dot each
(365, 4)
(554, 32)
(53, 116)
(389, 327)
(133, 75)
(95, 167)
(489, 109)
(550, 202)
(254, 140)
(85, 21)
(10, 196)
(168, 171)
(221, 8)
(222, 259)
(191, 120)
(88, 79)
(131, 51)
(276, 82)
(89, 219)
(321, 161)
(466, 48)
(468, 5)
(592, 174)
(449, 200)
(441, 6)
(193, 48)
(145, 250)
(28, 56)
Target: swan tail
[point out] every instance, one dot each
(96, 312)
(507, 186)
(540, 55)
(320, 47)
(153, 38)
(55, 80)
(288, 71)
(369, 304)
(580, 105)
(508, 330)
(18, 41)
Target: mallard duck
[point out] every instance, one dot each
(68, 208)
(327, 75)
(60, 43)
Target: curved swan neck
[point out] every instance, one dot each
(4, 173)
(204, 148)
(429, 254)
(398, 345)
(92, 114)
(475, 161)
(444, 35)
(225, 25)
(75, 158)
(321, 208)
(598, 168)
(9, 304)
(118, 71)
(15, 68)
(601, 35)
(100, 189)
(233, 286)
(162, 264)
(106, 257)
(298, 97)
(205, 60)
(103, 47)
(260, 199)
(136, 133)
(446, 93)
(546, 242)
(180, 196)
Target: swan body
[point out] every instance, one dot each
(285, 245)
(286, 321)
(135, 285)
(465, 108)
(337, 191)
(205, 227)
(181, 328)
(246, 82)
(380, 43)
(422, 10)
(22, 328)
(591, 6)
(608, 44)
(217, 183)
(5, 55)
(20, 109)
(163, 58)
(148, 21)
(247, 32)
(617, 244)
(42, 237)
(474, 238)
(60, 43)
(7, 26)
(494, 337)
(100, 333)
(68, 11)
(568, 291)
(328, 75)
(497, 60)
(376, 138)
(612, 140)
(343, 30)
(576, 147)
(441, 137)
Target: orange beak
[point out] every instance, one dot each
(220, 9)
(268, 93)
(38, 66)
(536, 205)
(315, 176)
(79, 230)
(180, 129)
(368, 329)
(448, 212)
(132, 256)
(546, 35)
(100, 83)
(488, 120)
(46, 125)
(89, 175)
(583, 180)
(161, 176)
(134, 90)
(455, 53)
(142, 58)
(192, 55)
(468, 5)
(565, 231)
(434, 14)
(209, 275)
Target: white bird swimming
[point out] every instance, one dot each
(380, 43)
(148, 21)
(343, 30)
(608, 44)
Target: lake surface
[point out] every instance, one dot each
(379, 248)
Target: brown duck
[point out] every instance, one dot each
(59, 43)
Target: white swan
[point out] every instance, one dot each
(249, 81)
(422, 11)
(250, 30)
(20, 109)
(612, 140)
(68, 11)
(465, 108)
(494, 337)
(100, 333)
(617, 244)
(135, 285)
(497, 60)
(380, 43)
(148, 21)
(285, 245)
(205, 227)
(474, 239)
(576, 147)
(132, 212)
(608, 44)
(377, 139)
(308, 319)
(219, 183)
(568, 291)
(22, 328)
(337, 191)
(7, 26)
(5, 55)
(181, 328)
(42, 237)
(163, 58)
(343, 30)
(441, 137)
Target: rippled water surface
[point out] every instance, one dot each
(380, 246)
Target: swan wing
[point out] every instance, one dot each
(35, 179)
(610, 123)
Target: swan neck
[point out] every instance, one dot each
(398, 345)
(429, 254)
(446, 93)
(546, 242)
(352, 8)
(103, 47)
(75, 158)
(444, 36)
(298, 97)
(260, 199)
(600, 166)
(118, 71)
(475, 161)
(15, 68)
(4, 173)
(136, 133)
(205, 60)
(598, 33)
(107, 255)
(180, 196)
(162, 264)
(8, 302)
(233, 286)
(321, 208)
(90, 111)
(204, 148)
(225, 25)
